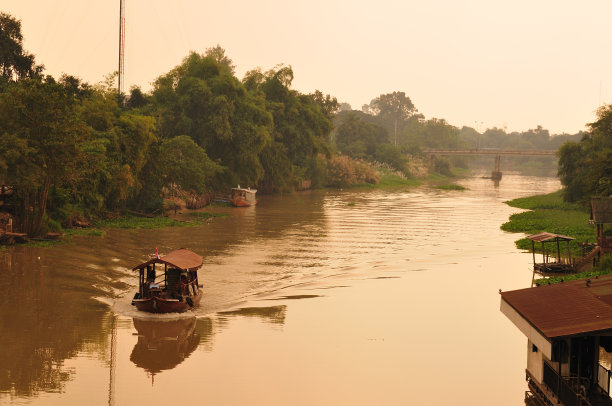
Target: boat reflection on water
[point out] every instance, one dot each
(163, 345)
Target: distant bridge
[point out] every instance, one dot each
(496, 152)
(496, 174)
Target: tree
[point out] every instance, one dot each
(328, 104)
(184, 164)
(218, 54)
(137, 99)
(40, 144)
(344, 107)
(358, 137)
(571, 171)
(585, 168)
(15, 62)
(395, 106)
(302, 126)
(202, 99)
(538, 137)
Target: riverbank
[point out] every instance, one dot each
(387, 179)
(550, 213)
(99, 228)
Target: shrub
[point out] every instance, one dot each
(341, 172)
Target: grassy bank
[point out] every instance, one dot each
(550, 213)
(128, 222)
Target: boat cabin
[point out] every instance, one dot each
(552, 260)
(568, 327)
(242, 197)
(169, 283)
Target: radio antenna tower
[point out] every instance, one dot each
(121, 46)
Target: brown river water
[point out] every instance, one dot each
(382, 297)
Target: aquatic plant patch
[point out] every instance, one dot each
(550, 213)
(451, 187)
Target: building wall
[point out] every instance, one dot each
(535, 362)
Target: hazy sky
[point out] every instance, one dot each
(480, 63)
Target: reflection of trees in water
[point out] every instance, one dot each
(273, 314)
(275, 217)
(44, 321)
(288, 214)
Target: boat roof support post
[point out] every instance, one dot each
(558, 252)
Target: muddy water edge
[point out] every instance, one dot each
(322, 297)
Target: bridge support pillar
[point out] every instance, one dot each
(496, 174)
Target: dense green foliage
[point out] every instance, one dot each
(43, 145)
(302, 125)
(585, 167)
(15, 63)
(358, 137)
(71, 151)
(201, 98)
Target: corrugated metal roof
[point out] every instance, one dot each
(601, 210)
(543, 237)
(566, 309)
(182, 259)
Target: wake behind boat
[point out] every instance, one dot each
(175, 290)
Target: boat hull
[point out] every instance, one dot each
(161, 305)
(241, 202)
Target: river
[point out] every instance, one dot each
(378, 297)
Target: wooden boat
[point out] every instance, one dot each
(176, 290)
(243, 197)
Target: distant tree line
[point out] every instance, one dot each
(70, 149)
(389, 129)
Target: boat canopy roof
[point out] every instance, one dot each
(544, 237)
(246, 189)
(182, 259)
